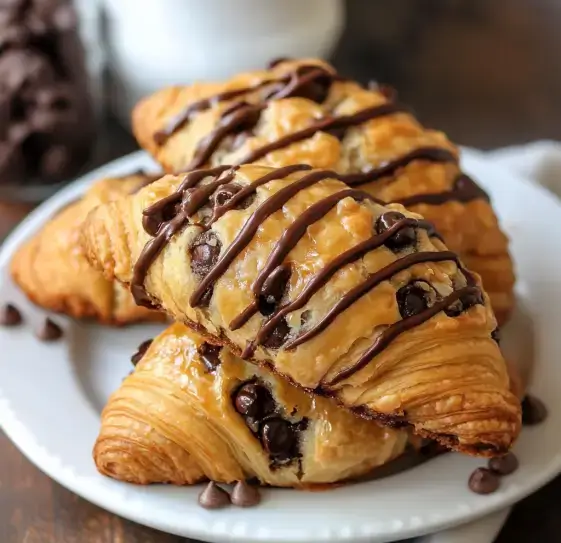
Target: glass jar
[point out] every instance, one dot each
(50, 73)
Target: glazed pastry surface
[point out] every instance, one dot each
(301, 111)
(342, 295)
(53, 272)
(193, 411)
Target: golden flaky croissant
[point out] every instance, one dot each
(345, 297)
(192, 410)
(303, 112)
(53, 272)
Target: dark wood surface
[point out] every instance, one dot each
(486, 72)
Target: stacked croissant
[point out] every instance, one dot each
(313, 244)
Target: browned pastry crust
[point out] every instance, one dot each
(175, 420)
(382, 317)
(53, 272)
(413, 165)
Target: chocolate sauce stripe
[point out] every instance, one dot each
(429, 154)
(165, 232)
(465, 192)
(321, 278)
(330, 123)
(398, 328)
(373, 281)
(225, 126)
(290, 80)
(244, 237)
(290, 239)
(250, 189)
(202, 194)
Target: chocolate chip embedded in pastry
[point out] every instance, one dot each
(315, 280)
(301, 111)
(53, 272)
(175, 421)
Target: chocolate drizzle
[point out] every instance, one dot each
(396, 329)
(155, 224)
(249, 229)
(288, 241)
(283, 87)
(465, 189)
(272, 278)
(326, 124)
(429, 154)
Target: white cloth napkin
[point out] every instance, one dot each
(539, 162)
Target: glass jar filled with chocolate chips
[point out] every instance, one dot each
(47, 87)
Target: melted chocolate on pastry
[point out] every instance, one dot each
(141, 351)
(291, 84)
(313, 82)
(209, 262)
(278, 436)
(210, 355)
(465, 189)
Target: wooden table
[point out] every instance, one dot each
(486, 72)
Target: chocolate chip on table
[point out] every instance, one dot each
(205, 251)
(245, 495)
(10, 316)
(213, 497)
(254, 401)
(210, 355)
(403, 237)
(483, 481)
(273, 289)
(278, 439)
(411, 300)
(534, 411)
(278, 336)
(50, 331)
(141, 351)
(503, 465)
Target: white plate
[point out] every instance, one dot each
(51, 396)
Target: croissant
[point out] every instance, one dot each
(53, 272)
(343, 296)
(193, 411)
(304, 112)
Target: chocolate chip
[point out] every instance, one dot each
(403, 237)
(503, 465)
(10, 316)
(254, 400)
(411, 299)
(483, 481)
(50, 331)
(141, 351)
(496, 335)
(213, 497)
(534, 411)
(245, 495)
(278, 336)
(205, 251)
(463, 304)
(210, 355)
(278, 439)
(224, 193)
(273, 289)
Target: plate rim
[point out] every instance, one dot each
(65, 475)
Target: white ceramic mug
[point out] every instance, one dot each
(154, 43)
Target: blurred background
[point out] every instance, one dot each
(485, 72)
